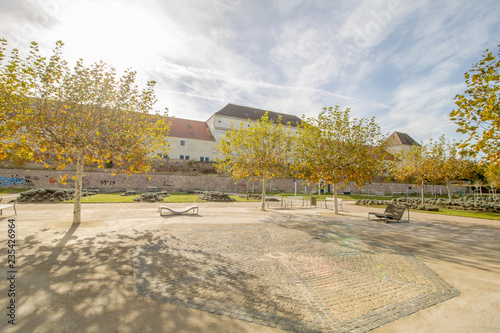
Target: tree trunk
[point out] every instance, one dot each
(449, 190)
(423, 200)
(77, 210)
(263, 191)
(335, 204)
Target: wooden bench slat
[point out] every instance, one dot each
(392, 212)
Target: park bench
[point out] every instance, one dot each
(332, 200)
(392, 212)
(298, 199)
(180, 211)
(8, 202)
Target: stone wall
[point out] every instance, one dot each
(183, 183)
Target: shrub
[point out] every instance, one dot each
(151, 197)
(52, 195)
(215, 196)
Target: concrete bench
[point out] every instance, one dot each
(8, 202)
(179, 211)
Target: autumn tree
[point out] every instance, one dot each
(60, 116)
(336, 149)
(414, 166)
(478, 112)
(446, 163)
(260, 150)
(492, 175)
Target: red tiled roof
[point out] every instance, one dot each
(190, 129)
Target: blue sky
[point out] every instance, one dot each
(400, 61)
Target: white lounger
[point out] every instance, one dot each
(8, 202)
(181, 211)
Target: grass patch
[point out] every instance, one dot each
(465, 213)
(173, 198)
(106, 198)
(346, 197)
(9, 190)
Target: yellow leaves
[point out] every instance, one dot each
(62, 179)
(251, 148)
(335, 148)
(85, 106)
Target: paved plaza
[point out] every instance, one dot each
(287, 279)
(234, 268)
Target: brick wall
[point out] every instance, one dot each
(183, 183)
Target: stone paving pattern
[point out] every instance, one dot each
(287, 279)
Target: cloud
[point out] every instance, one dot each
(402, 61)
(24, 21)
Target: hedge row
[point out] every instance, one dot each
(464, 203)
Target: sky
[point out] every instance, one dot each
(401, 61)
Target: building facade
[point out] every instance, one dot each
(197, 140)
(190, 140)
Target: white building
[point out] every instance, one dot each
(400, 142)
(197, 140)
(191, 140)
(220, 122)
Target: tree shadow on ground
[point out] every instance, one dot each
(475, 246)
(472, 245)
(72, 282)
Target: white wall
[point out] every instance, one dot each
(192, 148)
(219, 125)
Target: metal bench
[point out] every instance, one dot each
(392, 212)
(301, 201)
(8, 202)
(178, 212)
(339, 203)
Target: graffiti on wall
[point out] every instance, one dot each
(13, 180)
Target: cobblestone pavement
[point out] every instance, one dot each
(287, 279)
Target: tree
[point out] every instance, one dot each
(337, 149)
(448, 165)
(478, 112)
(256, 150)
(492, 173)
(60, 117)
(416, 165)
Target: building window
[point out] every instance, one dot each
(182, 157)
(183, 143)
(206, 159)
(202, 159)
(186, 157)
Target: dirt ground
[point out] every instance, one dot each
(81, 278)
